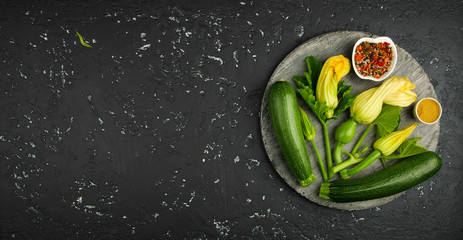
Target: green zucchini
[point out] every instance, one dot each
(284, 112)
(397, 178)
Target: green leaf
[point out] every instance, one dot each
(306, 94)
(318, 108)
(343, 89)
(344, 97)
(314, 68)
(387, 121)
(309, 81)
(302, 83)
(306, 87)
(410, 147)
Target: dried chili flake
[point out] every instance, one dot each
(373, 59)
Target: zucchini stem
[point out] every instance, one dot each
(320, 161)
(337, 156)
(351, 161)
(347, 173)
(396, 156)
(360, 140)
(337, 152)
(329, 161)
(384, 163)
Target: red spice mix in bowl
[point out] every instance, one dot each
(374, 58)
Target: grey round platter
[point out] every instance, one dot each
(323, 47)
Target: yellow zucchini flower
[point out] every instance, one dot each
(332, 71)
(389, 143)
(400, 98)
(394, 91)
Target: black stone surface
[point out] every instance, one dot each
(153, 133)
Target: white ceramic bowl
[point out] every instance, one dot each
(376, 40)
(417, 117)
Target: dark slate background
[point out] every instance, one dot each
(154, 132)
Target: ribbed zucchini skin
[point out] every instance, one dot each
(397, 178)
(286, 121)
